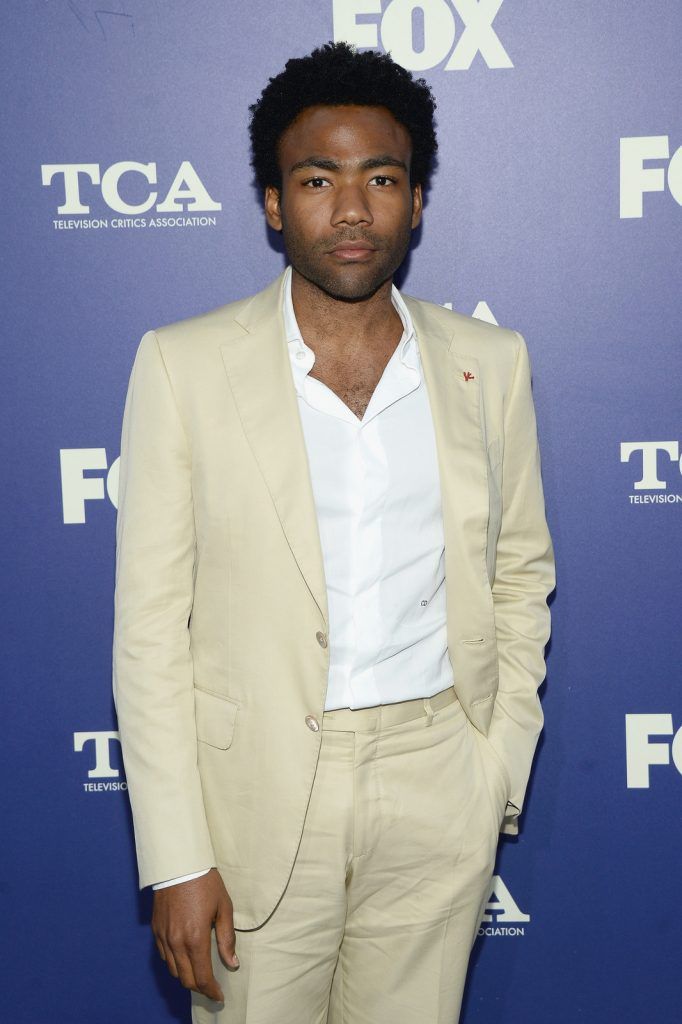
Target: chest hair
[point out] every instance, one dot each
(354, 383)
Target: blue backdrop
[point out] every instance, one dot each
(556, 210)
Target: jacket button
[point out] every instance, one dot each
(321, 638)
(312, 723)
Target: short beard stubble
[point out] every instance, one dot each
(353, 282)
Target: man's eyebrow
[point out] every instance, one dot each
(385, 160)
(320, 162)
(325, 164)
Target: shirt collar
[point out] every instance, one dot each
(300, 353)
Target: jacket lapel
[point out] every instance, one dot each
(259, 372)
(453, 384)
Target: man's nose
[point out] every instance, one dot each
(351, 206)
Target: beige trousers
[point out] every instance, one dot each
(390, 881)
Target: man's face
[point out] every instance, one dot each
(346, 209)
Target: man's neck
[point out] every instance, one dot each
(339, 329)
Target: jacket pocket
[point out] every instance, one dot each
(215, 718)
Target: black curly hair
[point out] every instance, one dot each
(334, 75)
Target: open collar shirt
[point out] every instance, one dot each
(377, 494)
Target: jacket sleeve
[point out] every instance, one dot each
(152, 661)
(524, 579)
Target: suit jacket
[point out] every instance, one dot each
(220, 593)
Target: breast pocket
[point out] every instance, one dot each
(215, 718)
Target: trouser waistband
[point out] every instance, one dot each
(383, 716)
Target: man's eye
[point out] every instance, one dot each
(316, 182)
(383, 179)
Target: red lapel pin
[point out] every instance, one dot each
(468, 375)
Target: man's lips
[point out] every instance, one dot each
(352, 250)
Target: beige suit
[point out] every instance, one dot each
(220, 647)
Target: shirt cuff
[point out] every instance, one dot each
(181, 878)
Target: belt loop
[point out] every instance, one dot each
(428, 710)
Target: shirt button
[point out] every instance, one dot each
(312, 723)
(321, 638)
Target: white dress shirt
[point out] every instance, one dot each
(377, 495)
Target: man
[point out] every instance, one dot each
(332, 573)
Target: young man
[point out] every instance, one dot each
(332, 573)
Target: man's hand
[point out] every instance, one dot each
(181, 922)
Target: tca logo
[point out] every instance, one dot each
(102, 741)
(421, 34)
(186, 192)
(78, 488)
(641, 751)
(650, 463)
(636, 179)
(103, 746)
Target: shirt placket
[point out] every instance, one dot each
(368, 555)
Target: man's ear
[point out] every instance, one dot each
(417, 205)
(273, 213)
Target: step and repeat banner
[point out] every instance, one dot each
(555, 210)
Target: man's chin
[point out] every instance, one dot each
(347, 287)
